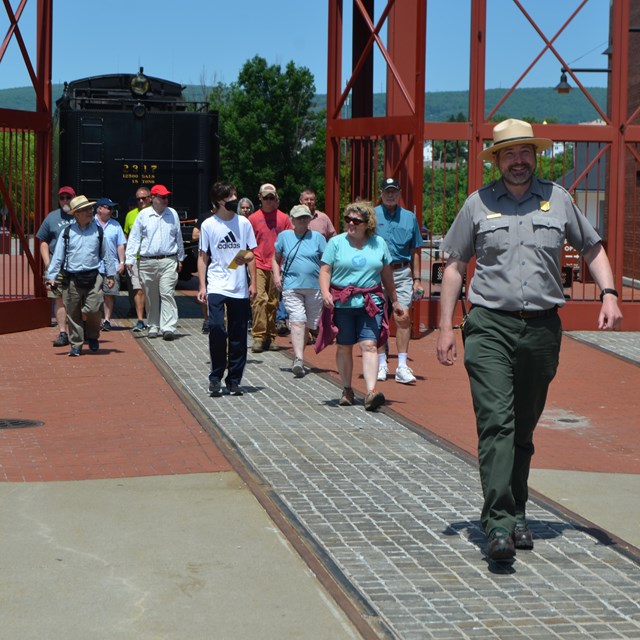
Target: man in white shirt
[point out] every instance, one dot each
(224, 257)
(156, 234)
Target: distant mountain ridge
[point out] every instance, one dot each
(538, 103)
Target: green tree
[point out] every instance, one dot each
(269, 131)
(17, 168)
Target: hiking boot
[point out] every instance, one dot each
(62, 340)
(298, 368)
(522, 537)
(404, 375)
(373, 400)
(500, 545)
(348, 398)
(258, 346)
(281, 328)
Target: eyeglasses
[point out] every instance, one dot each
(354, 221)
(268, 197)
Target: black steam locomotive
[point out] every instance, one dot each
(119, 132)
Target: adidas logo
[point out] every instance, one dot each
(229, 242)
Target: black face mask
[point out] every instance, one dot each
(232, 205)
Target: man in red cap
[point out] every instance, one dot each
(267, 222)
(48, 233)
(156, 234)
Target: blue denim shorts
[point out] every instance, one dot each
(356, 325)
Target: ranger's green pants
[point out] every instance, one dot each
(510, 363)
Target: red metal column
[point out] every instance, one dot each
(618, 113)
(334, 80)
(478, 131)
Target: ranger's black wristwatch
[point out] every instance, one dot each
(613, 292)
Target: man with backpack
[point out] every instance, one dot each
(77, 257)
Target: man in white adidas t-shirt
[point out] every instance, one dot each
(225, 254)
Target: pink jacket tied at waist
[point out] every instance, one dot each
(327, 330)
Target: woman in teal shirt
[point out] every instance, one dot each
(355, 264)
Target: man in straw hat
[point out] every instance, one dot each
(516, 228)
(79, 251)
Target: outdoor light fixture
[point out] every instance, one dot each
(564, 87)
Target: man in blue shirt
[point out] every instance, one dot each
(78, 254)
(400, 230)
(115, 239)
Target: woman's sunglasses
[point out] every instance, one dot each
(354, 221)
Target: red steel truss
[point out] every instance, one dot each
(361, 148)
(25, 178)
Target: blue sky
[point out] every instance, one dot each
(209, 40)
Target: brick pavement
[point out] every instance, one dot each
(396, 513)
(105, 415)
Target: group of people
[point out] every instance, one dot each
(328, 283)
(346, 285)
(85, 251)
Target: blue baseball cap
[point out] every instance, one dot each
(390, 183)
(106, 202)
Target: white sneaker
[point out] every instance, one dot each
(383, 372)
(404, 375)
(153, 332)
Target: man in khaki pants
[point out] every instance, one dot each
(79, 251)
(267, 222)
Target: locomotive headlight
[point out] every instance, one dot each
(139, 83)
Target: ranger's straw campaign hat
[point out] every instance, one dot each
(510, 132)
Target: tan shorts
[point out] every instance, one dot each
(134, 276)
(57, 292)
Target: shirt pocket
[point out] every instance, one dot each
(548, 232)
(493, 236)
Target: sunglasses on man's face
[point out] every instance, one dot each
(64, 196)
(354, 221)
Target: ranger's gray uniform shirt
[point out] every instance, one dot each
(518, 244)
